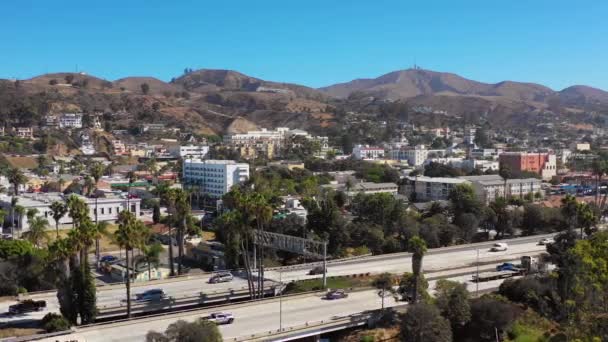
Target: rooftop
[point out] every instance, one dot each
(436, 179)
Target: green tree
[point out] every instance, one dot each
(97, 170)
(384, 283)
(417, 247)
(422, 322)
(126, 238)
(452, 299)
(58, 211)
(16, 178)
(37, 232)
(152, 256)
(200, 330)
(19, 212)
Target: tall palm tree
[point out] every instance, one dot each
(598, 169)
(37, 232)
(100, 229)
(125, 237)
(417, 247)
(262, 212)
(170, 198)
(58, 211)
(14, 201)
(60, 252)
(77, 209)
(31, 213)
(16, 178)
(131, 177)
(19, 211)
(182, 211)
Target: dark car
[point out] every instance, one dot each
(110, 259)
(336, 294)
(151, 295)
(317, 270)
(27, 305)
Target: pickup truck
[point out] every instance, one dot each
(221, 318)
(27, 305)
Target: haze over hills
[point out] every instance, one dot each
(217, 101)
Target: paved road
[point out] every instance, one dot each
(435, 260)
(253, 318)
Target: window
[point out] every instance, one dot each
(109, 210)
(102, 211)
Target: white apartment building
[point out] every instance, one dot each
(367, 188)
(485, 153)
(189, 151)
(451, 161)
(70, 120)
(416, 155)
(469, 135)
(214, 177)
(368, 152)
(431, 188)
(24, 132)
(107, 208)
(482, 165)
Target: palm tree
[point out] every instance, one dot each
(131, 177)
(20, 211)
(417, 247)
(77, 209)
(37, 232)
(182, 211)
(14, 201)
(31, 213)
(16, 178)
(170, 197)
(100, 229)
(259, 208)
(96, 170)
(58, 210)
(152, 167)
(151, 254)
(125, 238)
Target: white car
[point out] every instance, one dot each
(221, 318)
(546, 241)
(499, 247)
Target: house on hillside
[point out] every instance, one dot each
(24, 132)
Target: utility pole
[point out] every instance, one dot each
(324, 265)
(281, 301)
(477, 272)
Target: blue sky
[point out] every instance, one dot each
(314, 42)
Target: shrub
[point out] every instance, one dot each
(53, 322)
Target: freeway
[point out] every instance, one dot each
(436, 260)
(287, 312)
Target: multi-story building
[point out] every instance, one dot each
(424, 189)
(102, 208)
(189, 151)
(481, 153)
(523, 187)
(214, 177)
(24, 132)
(543, 164)
(415, 155)
(487, 187)
(364, 187)
(368, 152)
(70, 120)
(482, 165)
(51, 121)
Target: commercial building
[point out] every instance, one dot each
(543, 164)
(189, 151)
(70, 120)
(214, 178)
(368, 152)
(104, 208)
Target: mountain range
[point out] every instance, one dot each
(220, 101)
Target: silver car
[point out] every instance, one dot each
(221, 277)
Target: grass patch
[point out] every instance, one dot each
(332, 283)
(16, 332)
(106, 244)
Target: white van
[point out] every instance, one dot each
(499, 247)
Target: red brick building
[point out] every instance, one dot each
(543, 164)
